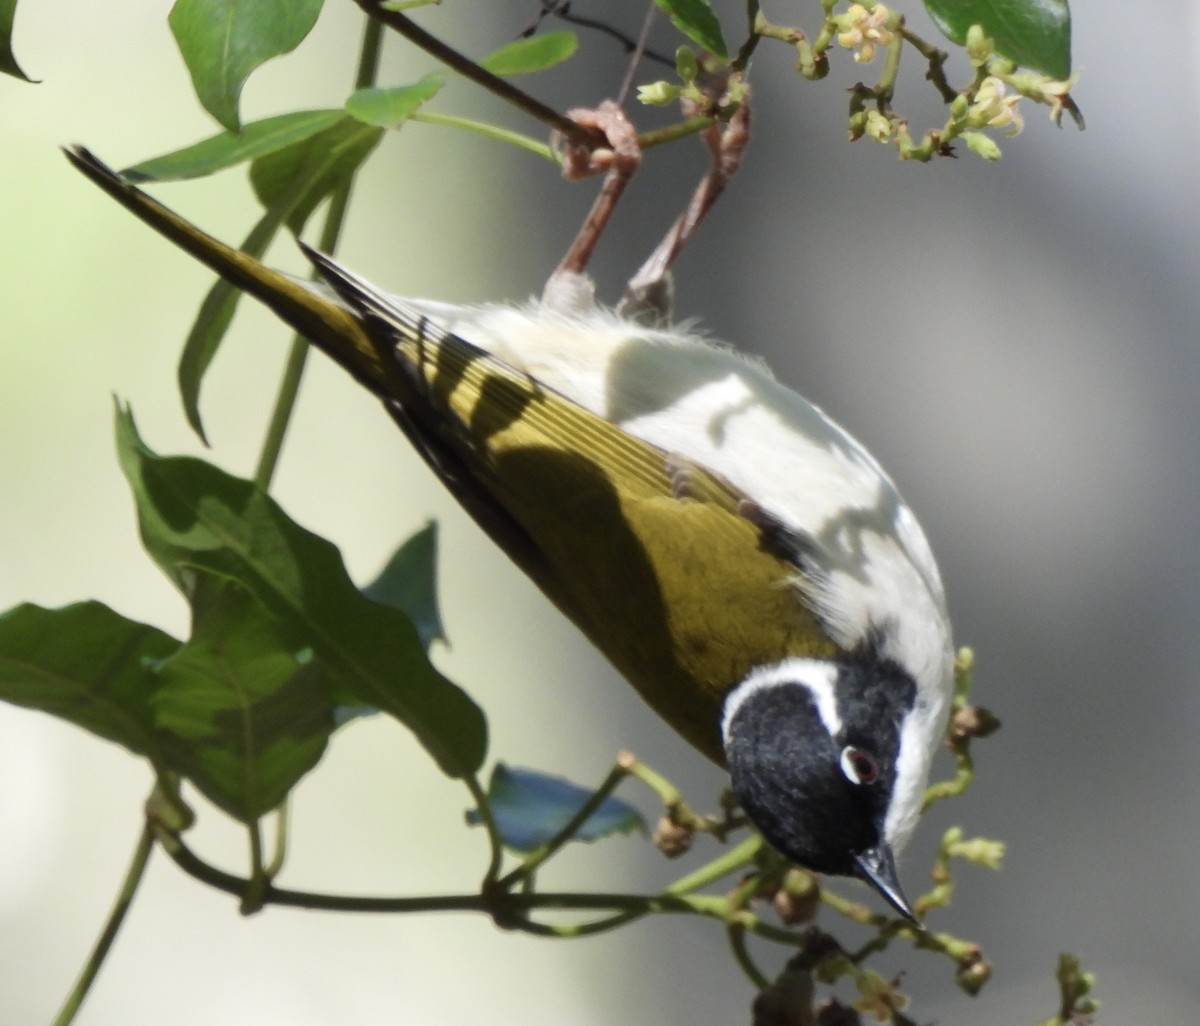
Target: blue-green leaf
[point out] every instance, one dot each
(409, 582)
(1033, 33)
(224, 41)
(531, 808)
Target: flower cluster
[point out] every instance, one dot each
(862, 30)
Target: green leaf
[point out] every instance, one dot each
(695, 19)
(290, 183)
(296, 179)
(239, 713)
(8, 59)
(195, 517)
(531, 808)
(212, 322)
(224, 41)
(537, 53)
(409, 583)
(85, 664)
(228, 149)
(390, 108)
(1032, 33)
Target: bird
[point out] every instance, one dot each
(736, 555)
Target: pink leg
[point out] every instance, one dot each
(617, 162)
(648, 295)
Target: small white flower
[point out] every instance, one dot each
(656, 94)
(862, 31)
(878, 127)
(1050, 91)
(994, 109)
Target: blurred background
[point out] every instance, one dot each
(1015, 342)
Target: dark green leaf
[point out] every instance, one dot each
(695, 19)
(229, 149)
(290, 182)
(194, 516)
(537, 53)
(296, 179)
(531, 808)
(8, 59)
(213, 319)
(224, 41)
(239, 713)
(390, 108)
(86, 664)
(1033, 33)
(409, 582)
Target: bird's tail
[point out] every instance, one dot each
(382, 341)
(311, 310)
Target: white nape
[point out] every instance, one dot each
(818, 676)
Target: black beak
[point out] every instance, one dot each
(878, 867)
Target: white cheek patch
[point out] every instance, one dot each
(818, 676)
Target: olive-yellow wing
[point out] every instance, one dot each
(652, 560)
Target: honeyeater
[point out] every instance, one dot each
(735, 554)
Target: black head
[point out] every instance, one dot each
(812, 747)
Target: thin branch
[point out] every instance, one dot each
(669, 133)
(737, 944)
(527, 868)
(589, 929)
(741, 60)
(937, 63)
(507, 908)
(87, 976)
(638, 52)
(562, 11)
(495, 132)
(729, 862)
(495, 846)
(494, 904)
(466, 67)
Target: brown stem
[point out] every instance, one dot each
(571, 130)
(647, 289)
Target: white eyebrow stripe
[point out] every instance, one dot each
(817, 675)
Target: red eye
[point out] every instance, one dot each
(859, 767)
